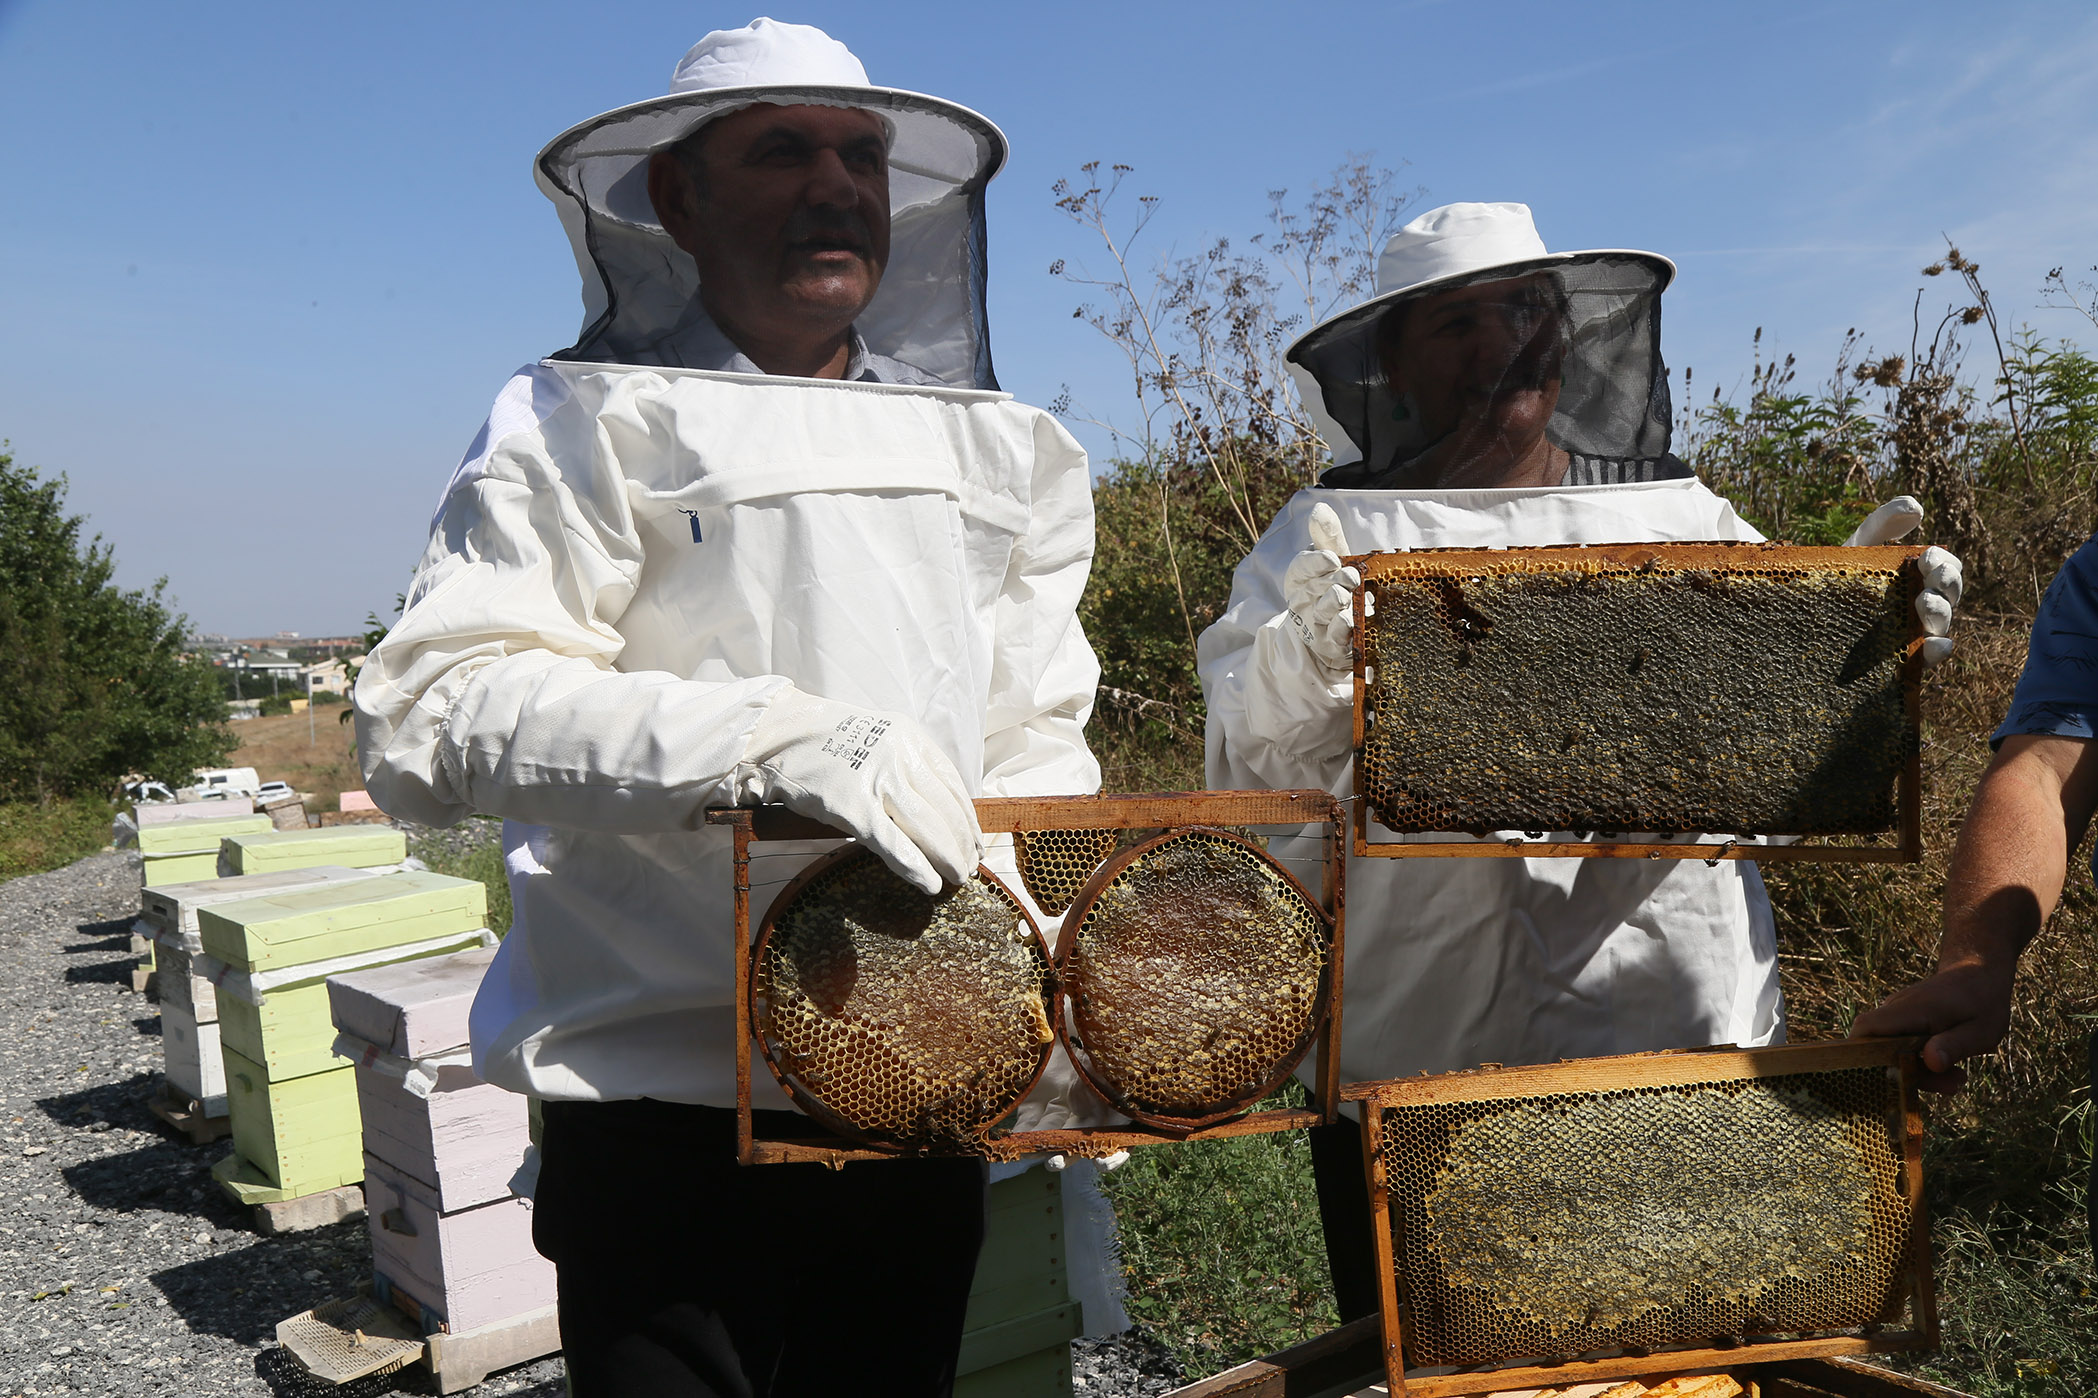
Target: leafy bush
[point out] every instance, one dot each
(36, 836)
(95, 681)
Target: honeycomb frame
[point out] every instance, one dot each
(1260, 1073)
(1488, 1187)
(1858, 782)
(1307, 812)
(803, 1047)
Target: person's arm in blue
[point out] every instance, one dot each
(2029, 813)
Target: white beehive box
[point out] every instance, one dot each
(473, 1267)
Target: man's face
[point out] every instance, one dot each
(1481, 366)
(787, 215)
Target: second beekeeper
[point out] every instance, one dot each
(766, 533)
(1490, 394)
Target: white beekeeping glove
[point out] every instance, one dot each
(875, 775)
(1320, 593)
(1943, 577)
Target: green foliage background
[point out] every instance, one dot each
(95, 680)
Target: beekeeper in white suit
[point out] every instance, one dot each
(766, 533)
(1489, 394)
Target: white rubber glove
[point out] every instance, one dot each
(876, 775)
(1943, 577)
(1320, 593)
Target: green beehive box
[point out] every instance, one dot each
(1016, 1340)
(303, 1134)
(161, 870)
(198, 836)
(292, 1032)
(340, 919)
(357, 846)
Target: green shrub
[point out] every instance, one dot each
(37, 836)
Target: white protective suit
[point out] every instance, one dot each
(1456, 962)
(638, 560)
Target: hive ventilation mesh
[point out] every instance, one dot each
(1561, 689)
(1556, 1225)
(1196, 976)
(899, 1018)
(1054, 864)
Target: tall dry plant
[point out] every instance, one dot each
(1213, 437)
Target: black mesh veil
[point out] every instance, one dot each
(1605, 310)
(931, 310)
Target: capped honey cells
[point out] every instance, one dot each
(898, 1018)
(1196, 970)
(1740, 689)
(1564, 1224)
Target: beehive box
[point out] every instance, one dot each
(1662, 1207)
(302, 1134)
(1021, 1318)
(1745, 689)
(472, 1267)
(170, 911)
(414, 1009)
(200, 836)
(465, 1139)
(181, 988)
(175, 813)
(358, 846)
(160, 870)
(300, 926)
(191, 1057)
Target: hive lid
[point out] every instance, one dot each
(162, 813)
(198, 836)
(336, 919)
(171, 909)
(412, 1009)
(335, 844)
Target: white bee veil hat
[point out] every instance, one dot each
(931, 309)
(1614, 401)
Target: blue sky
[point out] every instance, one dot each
(266, 265)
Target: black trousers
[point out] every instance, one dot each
(685, 1275)
(1344, 1217)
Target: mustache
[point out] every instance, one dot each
(830, 228)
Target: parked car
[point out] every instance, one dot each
(273, 791)
(218, 783)
(147, 792)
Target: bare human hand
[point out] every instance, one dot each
(1964, 1008)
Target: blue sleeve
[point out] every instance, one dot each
(2058, 692)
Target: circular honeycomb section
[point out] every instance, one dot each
(1197, 972)
(897, 1018)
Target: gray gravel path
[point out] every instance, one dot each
(123, 1269)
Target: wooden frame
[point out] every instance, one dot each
(1598, 1075)
(1006, 815)
(1347, 1363)
(1908, 831)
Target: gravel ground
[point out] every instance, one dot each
(123, 1269)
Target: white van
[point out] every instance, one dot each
(217, 783)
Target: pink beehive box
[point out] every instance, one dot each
(473, 1267)
(464, 1139)
(356, 801)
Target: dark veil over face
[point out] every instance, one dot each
(1566, 350)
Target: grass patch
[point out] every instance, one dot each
(464, 859)
(35, 838)
(1221, 1245)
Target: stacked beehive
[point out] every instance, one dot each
(271, 851)
(293, 1103)
(1016, 1337)
(186, 851)
(189, 1027)
(451, 1243)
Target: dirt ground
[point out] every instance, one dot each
(279, 749)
